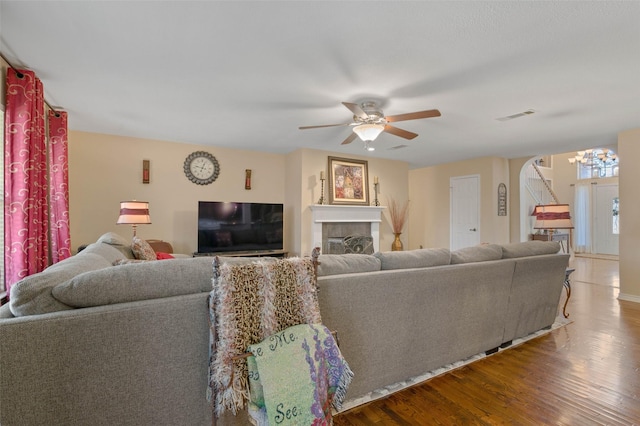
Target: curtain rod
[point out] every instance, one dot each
(4, 58)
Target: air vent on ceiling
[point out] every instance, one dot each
(398, 147)
(518, 115)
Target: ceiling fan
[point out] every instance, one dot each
(369, 122)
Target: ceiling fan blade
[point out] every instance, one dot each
(413, 115)
(349, 139)
(399, 132)
(356, 110)
(324, 125)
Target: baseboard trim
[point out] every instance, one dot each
(629, 297)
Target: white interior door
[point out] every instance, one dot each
(465, 211)
(605, 222)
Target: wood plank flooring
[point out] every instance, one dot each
(586, 373)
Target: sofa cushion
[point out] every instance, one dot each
(142, 250)
(32, 295)
(421, 258)
(125, 261)
(337, 264)
(118, 242)
(113, 239)
(480, 253)
(529, 248)
(109, 252)
(137, 281)
(5, 312)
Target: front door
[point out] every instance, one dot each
(606, 219)
(465, 211)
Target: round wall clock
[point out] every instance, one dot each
(201, 168)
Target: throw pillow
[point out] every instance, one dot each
(163, 256)
(142, 250)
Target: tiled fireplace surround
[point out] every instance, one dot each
(338, 221)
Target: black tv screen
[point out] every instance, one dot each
(239, 227)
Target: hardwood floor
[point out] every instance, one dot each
(586, 373)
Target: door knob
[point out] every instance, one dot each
(473, 229)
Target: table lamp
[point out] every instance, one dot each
(134, 213)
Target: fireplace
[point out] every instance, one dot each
(333, 222)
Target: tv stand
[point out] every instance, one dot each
(252, 253)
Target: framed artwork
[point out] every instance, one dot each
(348, 181)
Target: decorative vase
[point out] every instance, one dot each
(397, 244)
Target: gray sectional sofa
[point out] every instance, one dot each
(402, 314)
(88, 343)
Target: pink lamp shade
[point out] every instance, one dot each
(134, 213)
(552, 216)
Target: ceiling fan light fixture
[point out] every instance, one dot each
(368, 147)
(368, 132)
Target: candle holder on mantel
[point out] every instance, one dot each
(376, 202)
(321, 200)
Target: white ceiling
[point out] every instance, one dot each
(245, 74)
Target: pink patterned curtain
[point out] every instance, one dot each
(25, 178)
(59, 187)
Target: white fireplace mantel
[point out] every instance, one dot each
(322, 213)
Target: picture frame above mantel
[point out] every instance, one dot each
(348, 181)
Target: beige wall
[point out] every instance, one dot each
(564, 178)
(293, 193)
(515, 167)
(629, 150)
(429, 191)
(107, 169)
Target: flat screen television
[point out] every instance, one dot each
(239, 227)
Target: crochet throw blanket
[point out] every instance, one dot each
(248, 303)
(296, 376)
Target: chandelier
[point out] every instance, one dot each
(595, 157)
